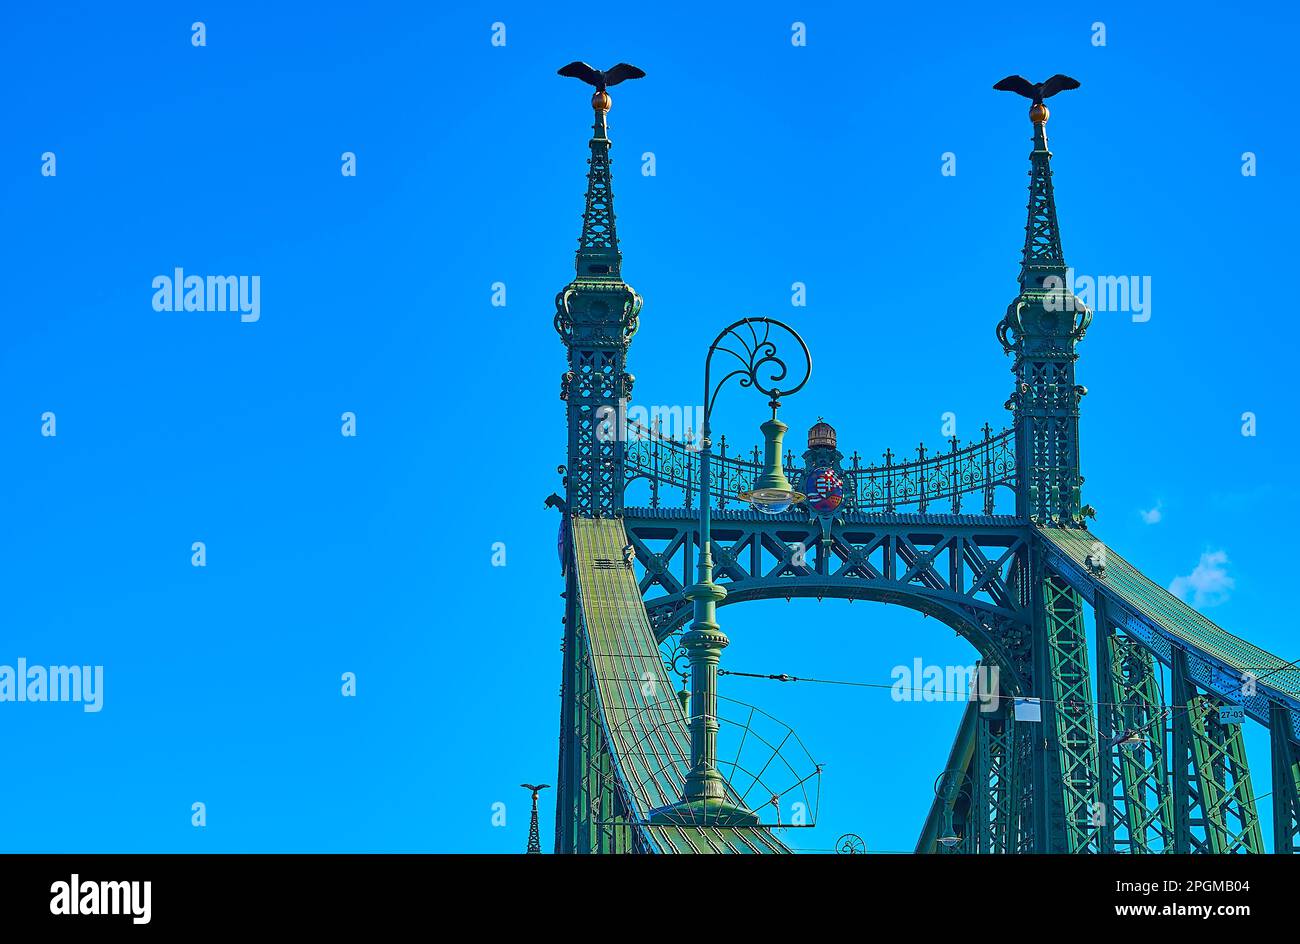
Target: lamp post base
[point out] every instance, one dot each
(704, 811)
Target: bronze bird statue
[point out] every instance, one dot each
(602, 80)
(1037, 91)
(536, 788)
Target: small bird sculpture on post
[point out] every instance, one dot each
(1037, 91)
(600, 99)
(602, 80)
(534, 834)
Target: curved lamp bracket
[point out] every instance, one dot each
(753, 343)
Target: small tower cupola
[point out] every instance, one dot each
(822, 435)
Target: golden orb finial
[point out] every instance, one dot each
(601, 101)
(1038, 113)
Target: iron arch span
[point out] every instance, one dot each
(969, 573)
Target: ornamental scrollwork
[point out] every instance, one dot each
(946, 477)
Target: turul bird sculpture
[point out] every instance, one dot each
(1037, 91)
(602, 80)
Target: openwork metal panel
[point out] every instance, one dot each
(595, 456)
(1133, 735)
(956, 479)
(1285, 755)
(1070, 731)
(969, 571)
(1211, 798)
(1214, 799)
(996, 800)
(1218, 661)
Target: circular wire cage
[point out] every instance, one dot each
(768, 769)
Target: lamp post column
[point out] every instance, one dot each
(704, 799)
(704, 644)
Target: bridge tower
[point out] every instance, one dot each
(595, 316)
(1138, 767)
(1041, 329)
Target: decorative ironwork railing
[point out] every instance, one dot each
(947, 478)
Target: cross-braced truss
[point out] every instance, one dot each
(1149, 759)
(967, 571)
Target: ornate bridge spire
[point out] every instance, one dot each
(1043, 256)
(1041, 327)
(596, 316)
(598, 254)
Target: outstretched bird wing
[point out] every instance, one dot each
(1017, 84)
(1059, 83)
(580, 70)
(621, 73)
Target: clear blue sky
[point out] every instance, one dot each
(372, 555)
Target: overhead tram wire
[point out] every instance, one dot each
(963, 695)
(955, 695)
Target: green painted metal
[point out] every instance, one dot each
(634, 757)
(705, 796)
(1068, 769)
(1131, 731)
(996, 799)
(1025, 742)
(1212, 778)
(1040, 329)
(1286, 782)
(943, 809)
(1128, 769)
(1137, 600)
(986, 805)
(986, 797)
(596, 316)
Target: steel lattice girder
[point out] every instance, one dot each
(1131, 731)
(1216, 661)
(995, 781)
(1286, 784)
(967, 571)
(1068, 768)
(987, 807)
(1214, 800)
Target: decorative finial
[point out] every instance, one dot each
(534, 834)
(1036, 92)
(602, 80)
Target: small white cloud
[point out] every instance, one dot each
(1152, 515)
(1208, 583)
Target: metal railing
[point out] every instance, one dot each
(949, 479)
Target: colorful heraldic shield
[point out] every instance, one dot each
(825, 490)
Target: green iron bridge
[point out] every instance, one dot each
(991, 538)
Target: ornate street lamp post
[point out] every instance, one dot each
(750, 342)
